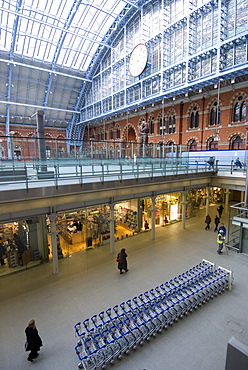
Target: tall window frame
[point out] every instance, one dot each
(239, 109)
(194, 118)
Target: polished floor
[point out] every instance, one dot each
(88, 282)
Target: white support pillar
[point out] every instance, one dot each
(139, 215)
(112, 227)
(226, 208)
(184, 202)
(153, 211)
(52, 217)
(207, 200)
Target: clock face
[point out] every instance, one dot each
(138, 60)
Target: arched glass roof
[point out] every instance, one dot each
(46, 47)
(60, 32)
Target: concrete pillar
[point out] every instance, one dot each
(207, 200)
(52, 217)
(226, 208)
(112, 227)
(42, 241)
(153, 211)
(184, 202)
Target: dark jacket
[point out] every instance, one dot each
(208, 219)
(33, 339)
(217, 220)
(122, 265)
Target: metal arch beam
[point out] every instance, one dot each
(54, 26)
(74, 116)
(12, 46)
(45, 70)
(98, 8)
(118, 20)
(132, 4)
(38, 106)
(68, 22)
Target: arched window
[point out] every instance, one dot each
(194, 118)
(118, 132)
(192, 145)
(236, 143)
(151, 125)
(162, 126)
(172, 124)
(243, 111)
(112, 134)
(214, 116)
(212, 144)
(48, 151)
(239, 110)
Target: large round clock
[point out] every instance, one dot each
(138, 60)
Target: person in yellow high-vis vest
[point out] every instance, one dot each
(220, 241)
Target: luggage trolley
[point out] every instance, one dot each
(110, 334)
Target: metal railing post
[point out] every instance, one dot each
(196, 166)
(56, 177)
(102, 172)
(81, 174)
(26, 177)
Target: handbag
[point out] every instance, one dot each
(26, 346)
(118, 259)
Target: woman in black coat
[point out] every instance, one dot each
(122, 264)
(34, 341)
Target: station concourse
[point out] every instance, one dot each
(89, 282)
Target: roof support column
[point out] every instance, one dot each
(41, 138)
(112, 227)
(153, 212)
(52, 217)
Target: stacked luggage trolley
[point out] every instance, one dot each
(106, 337)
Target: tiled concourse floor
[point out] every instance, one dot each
(88, 282)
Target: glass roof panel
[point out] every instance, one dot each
(59, 32)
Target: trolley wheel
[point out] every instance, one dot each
(111, 362)
(119, 357)
(80, 365)
(104, 367)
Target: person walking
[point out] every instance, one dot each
(237, 163)
(220, 210)
(34, 341)
(207, 222)
(2, 252)
(216, 221)
(220, 241)
(146, 225)
(222, 227)
(122, 261)
(211, 163)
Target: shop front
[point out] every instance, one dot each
(23, 244)
(28, 242)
